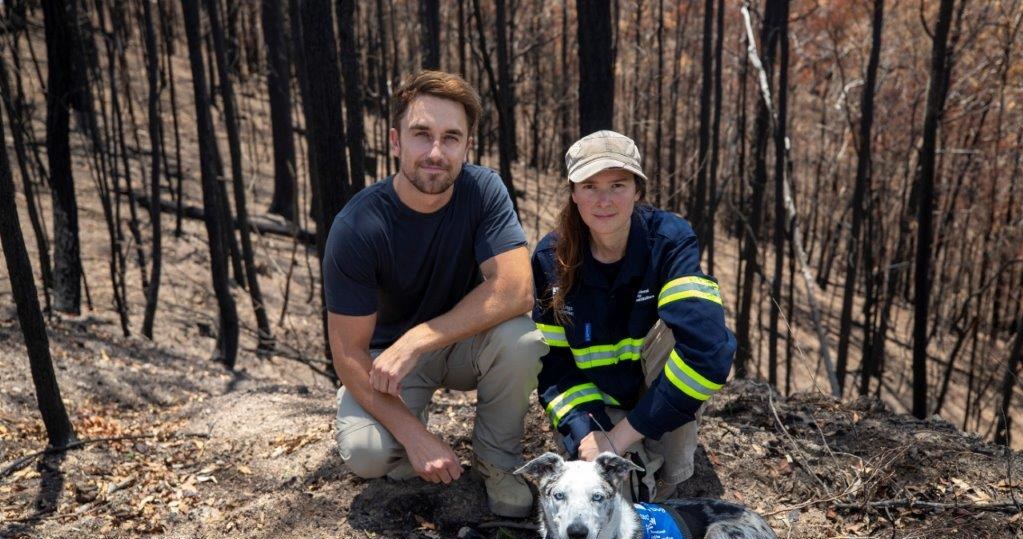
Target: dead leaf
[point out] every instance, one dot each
(425, 524)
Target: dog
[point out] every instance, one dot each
(582, 500)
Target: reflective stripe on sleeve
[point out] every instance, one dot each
(607, 354)
(554, 335)
(574, 396)
(689, 287)
(688, 380)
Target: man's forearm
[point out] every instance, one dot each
(389, 410)
(486, 306)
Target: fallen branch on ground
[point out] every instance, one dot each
(259, 223)
(1007, 507)
(27, 459)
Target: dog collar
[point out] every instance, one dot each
(658, 523)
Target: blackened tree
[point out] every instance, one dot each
(429, 32)
(278, 85)
(213, 213)
(51, 406)
(266, 340)
(596, 66)
(353, 94)
(152, 67)
(60, 91)
(936, 92)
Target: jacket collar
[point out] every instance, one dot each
(634, 263)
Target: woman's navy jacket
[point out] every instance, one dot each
(594, 358)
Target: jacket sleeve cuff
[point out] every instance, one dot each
(575, 428)
(655, 413)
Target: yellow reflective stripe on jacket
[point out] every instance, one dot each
(574, 396)
(554, 335)
(688, 380)
(689, 287)
(607, 354)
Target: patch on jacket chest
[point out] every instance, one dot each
(644, 295)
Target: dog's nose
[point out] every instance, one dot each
(577, 530)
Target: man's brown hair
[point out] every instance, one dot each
(438, 84)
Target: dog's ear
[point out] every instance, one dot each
(614, 468)
(543, 466)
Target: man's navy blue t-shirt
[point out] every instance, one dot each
(409, 267)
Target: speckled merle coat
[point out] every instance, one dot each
(581, 500)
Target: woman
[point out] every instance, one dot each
(637, 332)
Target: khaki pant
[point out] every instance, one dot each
(669, 460)
(501, 364)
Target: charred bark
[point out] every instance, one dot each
(863, 174)
(596, 69)
(61, 90)
(152, 66)
(266, 339)
(278, 82)
(227, 336)
(355, 132)
(59, 430)
(936, 93)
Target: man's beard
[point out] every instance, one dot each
(431, 183)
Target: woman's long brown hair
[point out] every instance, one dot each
(573, 237)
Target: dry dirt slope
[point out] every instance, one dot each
(250, 454)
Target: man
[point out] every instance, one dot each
(427, 280)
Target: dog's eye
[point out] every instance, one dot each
(598, 497)
(559, 496)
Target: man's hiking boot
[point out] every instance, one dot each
(507, 494)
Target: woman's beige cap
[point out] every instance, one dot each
(599, 151)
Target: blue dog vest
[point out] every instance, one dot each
(658, 523)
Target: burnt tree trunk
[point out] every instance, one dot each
(505, 130)
(750, 233)
(779, 192)
(698, 200)
(59, 430)
(1003, 430)
(60, 91)
(331, 187)
(13, 105)
(936, 93)
(278, 82)
(596, 69)
(167, 31)
(863, 164)
(715, 138)
(152, 66)
(429, 33)
(213, 214)
(505, 67)
(355, 130)
(266, 339)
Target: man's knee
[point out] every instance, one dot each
(366, 453)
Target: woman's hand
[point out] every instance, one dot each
(617, 441)
(593, 444)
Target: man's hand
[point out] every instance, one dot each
(393, 365)
(593, 444)
(433, 459)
